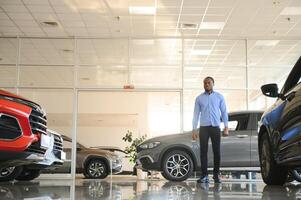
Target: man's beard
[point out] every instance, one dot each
(208, 90)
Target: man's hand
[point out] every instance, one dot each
(194, 134)
(226, 132)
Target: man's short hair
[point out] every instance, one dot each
(209, 77)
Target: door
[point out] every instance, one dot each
(235, 149)
(283, 118)
(289, 126)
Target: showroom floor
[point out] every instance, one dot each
(120, 187)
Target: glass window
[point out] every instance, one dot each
(156, 63)
(67, 144)
(47, 52)
(8, 61)
(8, 75)
(273, 53)
(102, 52)
(102, 63)
(259, 76)
(47, 76)
(241, 122)
(232, 125)
(8, 51)
(270, 61)
(224, 60)
(257, 101)
(102, 76)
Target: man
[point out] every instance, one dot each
(209, 109)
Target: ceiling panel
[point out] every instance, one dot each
(241, 17)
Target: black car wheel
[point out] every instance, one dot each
(28, 175)
(96, 168)
(177, 166)
(272, 173)
(10, 173)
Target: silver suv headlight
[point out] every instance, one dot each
(149, 145)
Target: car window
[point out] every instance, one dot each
(238, 122)
(293, 78)
(232, 125)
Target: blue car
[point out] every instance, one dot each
(279, 137)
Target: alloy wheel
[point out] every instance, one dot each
(96, 169)
(177, 165)
(6, 171)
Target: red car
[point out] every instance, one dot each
(23, 134)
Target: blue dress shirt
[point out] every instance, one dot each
(209, 109)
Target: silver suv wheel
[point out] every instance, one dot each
(177, 165)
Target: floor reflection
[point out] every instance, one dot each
(132, 189)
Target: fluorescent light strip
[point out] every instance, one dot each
(291, 11)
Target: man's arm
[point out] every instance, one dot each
(195, 120)
(196, 114)
(224, 115)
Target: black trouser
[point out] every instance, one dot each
(215, 134)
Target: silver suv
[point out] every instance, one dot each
(177, 156)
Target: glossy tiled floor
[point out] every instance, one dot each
(130, 188)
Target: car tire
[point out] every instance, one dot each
(177, 165)
(271, 172)
(96, 169)
(28, 175)
(10, 173)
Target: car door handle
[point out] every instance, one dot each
(290, 96)
(242, 136)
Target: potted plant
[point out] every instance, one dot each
(131, 150)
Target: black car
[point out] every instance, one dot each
(279, 136)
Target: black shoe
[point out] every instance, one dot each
(217, 179)
(203, 179)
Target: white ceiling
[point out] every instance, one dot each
(111, 18)
(149, 62)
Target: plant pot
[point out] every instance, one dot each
(141, 175)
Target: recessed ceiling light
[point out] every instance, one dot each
(266, 42)
(189, 26)
(200, 52)
(49, 24)
(212, 25)
(142, 10)
(291, 11)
